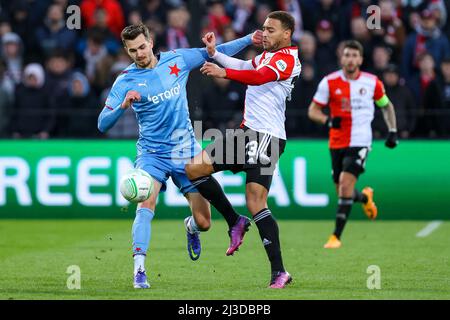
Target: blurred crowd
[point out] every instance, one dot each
(54, 79)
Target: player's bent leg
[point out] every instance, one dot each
(201, 210)
(256, 197)
(199, 171)
(199, 166)
(199, 221)
(141, 234)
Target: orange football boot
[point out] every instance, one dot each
(333, 243)
(370, 209)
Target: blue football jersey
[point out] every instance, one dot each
(162, 113)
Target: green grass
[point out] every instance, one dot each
(35, 254)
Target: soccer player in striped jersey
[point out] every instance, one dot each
(259, 142)
(155, 87)
(351, 95)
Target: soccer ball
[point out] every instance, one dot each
(136, 185)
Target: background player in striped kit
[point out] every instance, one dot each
(350, 95)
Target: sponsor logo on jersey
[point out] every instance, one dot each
(166, 95)
(281, 65)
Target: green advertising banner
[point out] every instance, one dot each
(79, 179)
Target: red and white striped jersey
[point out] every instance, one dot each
(265, 104)
(353, 101)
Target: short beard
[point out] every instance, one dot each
(352, 70)
(276, 46)
(146, 65)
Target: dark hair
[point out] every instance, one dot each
(287, 21)
(446, 60)
(131, 32)
(353, 44)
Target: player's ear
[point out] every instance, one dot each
(150, 43)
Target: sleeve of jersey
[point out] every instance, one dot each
(195, 57)
(379, 95)
(322, 95)
(112, 111)
(232, 63)
(252, 77)
(282, 64)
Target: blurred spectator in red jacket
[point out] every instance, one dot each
(217, 19)
(114, 14)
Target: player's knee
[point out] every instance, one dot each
(255, 202)
(150, 203)
(203, 223)
(345, 187)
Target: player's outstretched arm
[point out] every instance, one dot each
(248, 77)
(195, 57)
(229, 62)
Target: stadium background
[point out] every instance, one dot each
(54, 163)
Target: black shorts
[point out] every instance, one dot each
(244, 149)
(351, 160)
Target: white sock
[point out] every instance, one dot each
(139, 263)
(191, 225)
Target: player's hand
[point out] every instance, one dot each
(334, 123)
(131, 97)
(209, 40)
(213, 70)
(257, 38)
(392, 140)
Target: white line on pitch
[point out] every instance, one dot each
(429, 228)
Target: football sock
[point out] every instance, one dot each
(343, 211)
(211, 190)
(359, 196)
(191, 225)
(141, 231)
(139, 263)
(269, 233)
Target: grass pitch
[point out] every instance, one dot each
(35, 255)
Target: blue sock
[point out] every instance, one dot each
(142, 230)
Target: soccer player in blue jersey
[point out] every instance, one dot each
(155, 87)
